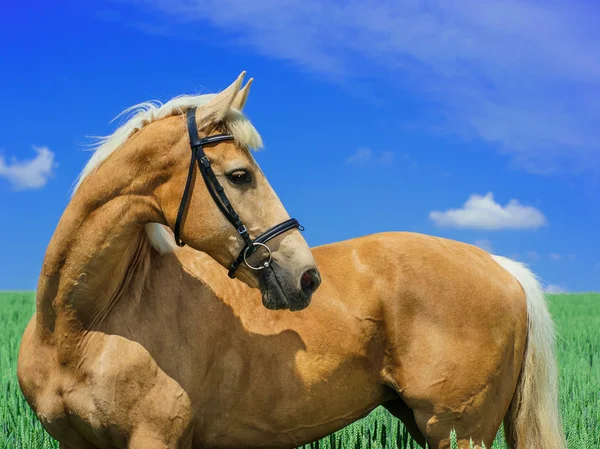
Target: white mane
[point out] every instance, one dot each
(143, 114)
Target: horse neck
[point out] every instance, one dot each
(98, 243)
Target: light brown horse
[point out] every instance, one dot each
(137, 344)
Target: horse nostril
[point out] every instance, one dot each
(310, 281)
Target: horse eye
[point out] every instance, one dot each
(240, 177)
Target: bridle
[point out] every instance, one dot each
(220, 198)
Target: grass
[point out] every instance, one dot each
(577, 319)
(19, 427)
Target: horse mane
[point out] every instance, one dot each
(142, 114)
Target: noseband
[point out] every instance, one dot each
(220, 198)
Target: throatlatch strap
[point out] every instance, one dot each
(184, 201)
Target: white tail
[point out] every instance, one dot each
(533, 419)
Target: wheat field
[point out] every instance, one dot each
(577, 318)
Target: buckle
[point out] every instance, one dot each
(204, 161)
(242, 229)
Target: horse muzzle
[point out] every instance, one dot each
(281, 291)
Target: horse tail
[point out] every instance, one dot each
(533, 418)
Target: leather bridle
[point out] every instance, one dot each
(220, 198)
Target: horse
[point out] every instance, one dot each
(139, 343)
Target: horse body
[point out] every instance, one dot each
(431, 328)
(136, 344)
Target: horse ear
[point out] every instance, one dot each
(240, 99)
(217, 107)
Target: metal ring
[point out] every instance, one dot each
(265, 264)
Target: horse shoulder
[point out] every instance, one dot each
(120, 382)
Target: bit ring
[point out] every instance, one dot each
(265, 264)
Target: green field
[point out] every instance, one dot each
(577, 318)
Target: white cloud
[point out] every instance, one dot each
(554, 289)
(533, 92)
(482, 212)
(485, 245)
(555, 256)
(533, 255)
(368, 156)
(29, 174)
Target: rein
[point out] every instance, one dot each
(217, 192)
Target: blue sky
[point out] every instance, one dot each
(476, 121)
